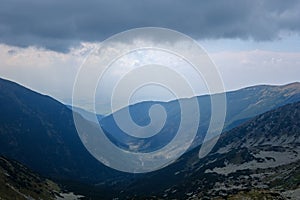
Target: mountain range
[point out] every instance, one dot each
(260, 158)
(242, 105)
(39, 132)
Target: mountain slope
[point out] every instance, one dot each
(39, 132)
(18, 182)
(259, 158)
(249, 102)
(242, 105)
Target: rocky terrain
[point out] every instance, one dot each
(257, 160)
(18, 182)
(257, 155)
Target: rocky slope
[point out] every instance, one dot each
(39, 132)
(19, 183)
(259, 159)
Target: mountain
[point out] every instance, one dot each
(86, 114)
(39, 132)
(18, 182)
(242, 105)
(259, 159)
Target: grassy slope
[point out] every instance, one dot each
(18, 182)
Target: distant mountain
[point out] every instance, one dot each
(258, 160)
(19, 183)
(90, 116)
(242, 105)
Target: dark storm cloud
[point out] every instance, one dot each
(59, 24)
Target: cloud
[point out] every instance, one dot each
(244, 68)
(54, 73)
(59, 25)
(45, 71)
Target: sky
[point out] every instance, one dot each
(44, 43)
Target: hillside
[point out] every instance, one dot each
(19, 183)
(242, 105)
(39, 132)
(260, 158)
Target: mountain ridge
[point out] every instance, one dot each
(241, 106)
(39, 132)
(243, 163)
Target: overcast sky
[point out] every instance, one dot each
(57, 24)
(43, 43)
